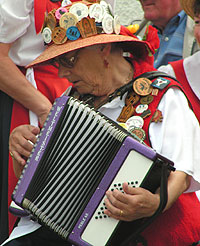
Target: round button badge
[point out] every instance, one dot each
(67, 20)
(142, 86)
(60, 12)
(65, 3)
(116, 24)
(141, 108)
(96, 11)
(46, 34)
(147, 99)
(135, 121)
(73, 33)
(107, 24)
(104, 6)
(80, 10)
(139, 132)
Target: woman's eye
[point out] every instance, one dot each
(196, 21)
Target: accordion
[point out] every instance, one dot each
(79, 155)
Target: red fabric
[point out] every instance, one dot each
(51, 5)
(52, 87)
(39, 8)
(178, 226)
(181, 77)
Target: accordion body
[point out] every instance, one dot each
(79, 155)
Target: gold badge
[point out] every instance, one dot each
(146, 100)
(87, 27)
(126, 113)
(59, 35)
(155, 92)
(139, 132)
(50, 20)
(142, 86)
(132, 98)
(157, 117)
(146, 113)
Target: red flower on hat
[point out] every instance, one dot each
(151, 36)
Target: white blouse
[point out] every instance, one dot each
(17, 26)
(176, 137)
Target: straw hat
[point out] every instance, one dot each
(187, 5)
(82, 24)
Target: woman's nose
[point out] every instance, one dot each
(63, 72)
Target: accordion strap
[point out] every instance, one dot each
(149, 75)
(163, 201)
(125, 88)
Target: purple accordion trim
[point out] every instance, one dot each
(50, 124)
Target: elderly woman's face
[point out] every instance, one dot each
(87, 71)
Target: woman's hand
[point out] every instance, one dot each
(134, 203)
(21, 142)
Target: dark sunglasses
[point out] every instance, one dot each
(65, 61)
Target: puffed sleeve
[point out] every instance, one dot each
(178, 135)
(14, 19)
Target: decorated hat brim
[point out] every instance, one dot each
(129, 44)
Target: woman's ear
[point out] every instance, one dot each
(105, 49)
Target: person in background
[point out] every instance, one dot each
(175, 134)
(187, 70)
(175, 30)
(26, 95)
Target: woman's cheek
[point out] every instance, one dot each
(197, 33)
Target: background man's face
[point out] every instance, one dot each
(160, 11)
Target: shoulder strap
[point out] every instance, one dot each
(149, 75)
(155, 74)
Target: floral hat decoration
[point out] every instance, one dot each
(85, 23)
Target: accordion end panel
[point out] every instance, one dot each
(38, 151)
(131, 164)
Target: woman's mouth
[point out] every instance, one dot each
(76, 81)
